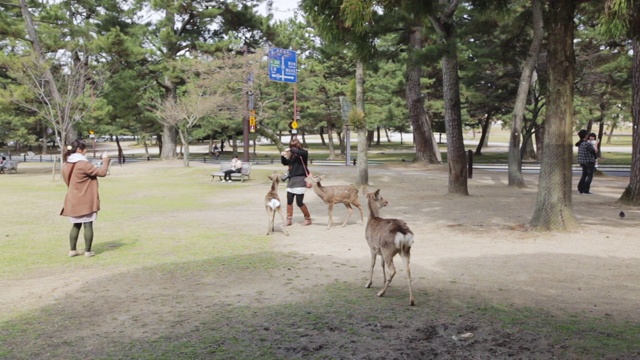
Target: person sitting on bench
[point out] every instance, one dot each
(236, 167)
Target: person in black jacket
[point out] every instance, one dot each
(587, 155)
(296, 158)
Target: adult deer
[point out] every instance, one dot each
(336, 194)
(272, 204)
(387, 237)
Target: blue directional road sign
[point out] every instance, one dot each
(283, 65)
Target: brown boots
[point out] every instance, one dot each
(289, 214)
(307, 216)
(305, 212)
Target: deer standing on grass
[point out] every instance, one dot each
(335, 194)
(272, 204)
(387, 237)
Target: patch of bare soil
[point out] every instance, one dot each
(471, 253)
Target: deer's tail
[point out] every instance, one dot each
(274, 204)
(403, 242)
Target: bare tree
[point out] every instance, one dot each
(63, 98)
(209, 91)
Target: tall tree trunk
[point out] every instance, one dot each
(600, 135)
(539, 137)
(169, 142)
(456, 156)
(321, 134)
(515, 159)
(169, 132)
(183, 139)
(631, 194)
(330, 126)
(484, 136)
(610, 134)
(527, 151)
(362, 168)
(553, 206)
(369, 138)
(332, 149)
(422, 132)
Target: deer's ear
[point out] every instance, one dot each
(376, 193)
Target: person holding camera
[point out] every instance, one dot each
(296, 158)
(587, 154)
(82, 202)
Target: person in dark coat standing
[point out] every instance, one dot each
(82, 202)
(587, 160)
(296, 158)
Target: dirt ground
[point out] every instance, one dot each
(468, 250)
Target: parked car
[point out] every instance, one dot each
(50, 142)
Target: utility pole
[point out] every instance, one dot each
(245, 118)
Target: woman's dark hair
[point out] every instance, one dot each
(74, 146)
(295, 143)
(582, 134)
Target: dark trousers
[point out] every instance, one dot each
(584, 186)
(227, 174)
(298, 197)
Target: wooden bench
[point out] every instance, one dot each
(224, 166)
(9, 166)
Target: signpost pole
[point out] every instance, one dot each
(245, 118)
(295, 107)
(283, 67)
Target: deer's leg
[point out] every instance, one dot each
(348, 214)
(388, 258)
(271, 218)
(357, 204)
(330, 216)
(406, 255)
(284, 224)
(384, 271)
(373, 264)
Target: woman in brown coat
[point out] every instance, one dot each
(82, 202)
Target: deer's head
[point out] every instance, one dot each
(313, 179)
(376, 199)
(274, 177)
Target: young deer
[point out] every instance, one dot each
(335, 194)
(272, 204)
(387, 237)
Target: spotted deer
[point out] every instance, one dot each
(387, 237)
(273, 205)
(336, 194)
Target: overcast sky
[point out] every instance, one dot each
(282, 9)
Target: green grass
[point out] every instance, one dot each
(142, 225)
(143, 235)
